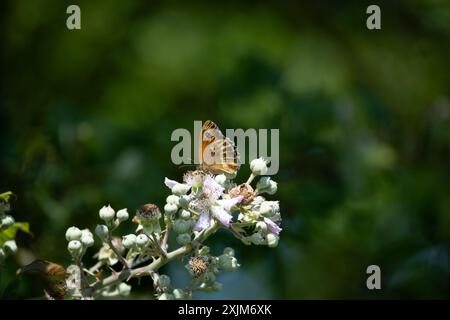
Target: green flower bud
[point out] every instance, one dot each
(184, 214)
(170, 208)
(179, 294)
(261, 226)
(102, 232)
(228, 263)
(73, 233)
(257, 239)
(263, 183)
(107, 213)
(258, 167)
(181, 226)
(129, 241)
(142, 240)
(180, 189)
(183, 239)
(7, 221)
(75, 248)
(163, 281)
(124, 289)
(209, 277)
(166, 296)
(272, 240)
(229, 251)
(217, 286)
(122, 215)
(221, 179)
(183, 202)
(173, 199)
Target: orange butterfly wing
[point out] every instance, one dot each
(217, 154)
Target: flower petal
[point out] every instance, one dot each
(274, 228)
(220, 214)
(170, 183)
(211, 188)
(204, 221)
(227, 204)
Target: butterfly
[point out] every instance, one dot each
(217, 153)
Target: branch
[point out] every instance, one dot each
(155, 265)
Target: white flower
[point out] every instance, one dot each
(177, 188)
(258, 166)
(211, 207)
(269, 208)
(73, 233)
(10, 246)
(173, 199)
(106, 213)
(87, 239)
(122, 215)
(221, 179)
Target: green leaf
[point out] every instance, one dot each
(10, 233)
(5, 196)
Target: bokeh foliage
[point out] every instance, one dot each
(364, 119)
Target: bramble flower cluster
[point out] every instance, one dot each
(197, 207)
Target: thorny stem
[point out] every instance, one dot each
(113, 248)
(153, 266)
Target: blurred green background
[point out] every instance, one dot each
(364, 119)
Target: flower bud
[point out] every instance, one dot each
(87, 240)
(209, 277)
(106, 213)
(129, 241)
(173, 199)
(180, 189)
(183, 239)
(7, 221)
(183, 202)
(10, 247)
(181, 226)
(179, 294)
(258, 166)
(269, 208)
(102, 232)
(229, 251)
(184, 214)
(75, 248)
(122, 215)
(261, 226)
(170, 208)
(257, 239)
(217, 286)
(221, 179)
(124, 289)
(272, 240)
(267, 185)
(166, 296)
(142, 240)
(228, 263)
(163, 281)
(73, 233)
(272, 188)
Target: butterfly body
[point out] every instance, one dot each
(217, 153)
